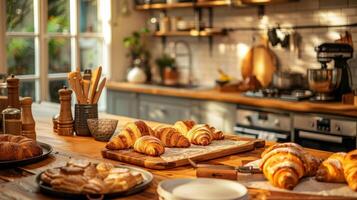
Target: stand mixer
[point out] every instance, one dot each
(331, 84)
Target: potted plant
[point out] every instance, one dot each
(168, 69)
(137, 51)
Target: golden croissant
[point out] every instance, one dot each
(285, 164)
(350, 169)
(184, 126)
(200, 134)
(149, 145)
(216, 134)
(130, 133)
(331, 170)
(170, 137)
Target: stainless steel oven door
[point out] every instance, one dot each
(325, 142)
(268, 135)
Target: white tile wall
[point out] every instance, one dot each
(228, 51)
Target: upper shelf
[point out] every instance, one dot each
(190, 33)
(204, 4)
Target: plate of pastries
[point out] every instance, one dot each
(19, 150)
(152, 141)
(285, 164)
(82, 178)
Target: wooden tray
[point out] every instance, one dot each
(142, 160)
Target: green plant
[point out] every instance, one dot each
(165, 61)
(136, 45)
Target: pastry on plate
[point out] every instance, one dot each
(331, 169)
(13, 147)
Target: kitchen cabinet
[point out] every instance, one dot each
(166, 109)
(123, 103)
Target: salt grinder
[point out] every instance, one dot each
(28, 122)
(65, 119)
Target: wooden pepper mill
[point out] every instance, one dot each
(65, 119)
(13, 96)
(28, 122)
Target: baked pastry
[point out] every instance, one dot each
(200, 134)
(331, 170)
(98, 178)
(170, 137)
(149, 145)
(350, 169)
(14, 147)
(130, 133)
(216, 134)
(285, 164)
(184, 126)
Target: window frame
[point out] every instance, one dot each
(41, 37)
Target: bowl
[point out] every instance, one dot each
(102, 129)
(324, 80)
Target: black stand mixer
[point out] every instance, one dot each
(331, 84)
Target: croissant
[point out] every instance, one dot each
(331, 170)
(130, 133)
(216, 134)
(149, 145)
(170, 137)
(285, 164)
(350, 169)
(200, 134)
(184, 126)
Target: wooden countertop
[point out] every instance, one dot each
(25, 188)
(215, 95)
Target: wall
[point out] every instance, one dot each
(229, 51)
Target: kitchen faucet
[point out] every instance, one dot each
(188, 54)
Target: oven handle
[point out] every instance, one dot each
(321, 137)
(256, 132)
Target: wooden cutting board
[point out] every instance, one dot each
(132, 157)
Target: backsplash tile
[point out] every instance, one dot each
(229, 51)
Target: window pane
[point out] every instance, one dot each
(91, 53)
(19, 15)
(90, 20)
(20, 55)
(58, 16)
(59, 52)
(28, 89)
(54, 86)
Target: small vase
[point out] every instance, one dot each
(170, 76)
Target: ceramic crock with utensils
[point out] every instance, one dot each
(82, 112)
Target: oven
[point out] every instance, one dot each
(263, 124)
(327, 133)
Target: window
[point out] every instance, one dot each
(45, 39)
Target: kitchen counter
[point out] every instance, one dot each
(215, 95)
(25, 188)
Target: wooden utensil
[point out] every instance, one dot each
(86, 85)
(94, 83)
(99, 91)
(74, 81)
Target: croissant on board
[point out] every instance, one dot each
(170, 137)
(350, 169)
(149, 145)
(216, 134)
(199, 134)
(130, 133)
(285, 164)
(331, 169)
(184, 126)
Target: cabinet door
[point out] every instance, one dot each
(165, 109)
(218, 114)
(122, 103)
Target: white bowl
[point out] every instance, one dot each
(201, 189)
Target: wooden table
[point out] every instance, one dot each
(25, 188)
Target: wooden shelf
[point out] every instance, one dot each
(206, 4)
(189, 33)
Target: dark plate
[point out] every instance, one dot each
(46, 150)
(47, 189)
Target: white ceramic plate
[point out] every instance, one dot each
(201, 189)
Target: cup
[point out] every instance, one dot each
(82, 112)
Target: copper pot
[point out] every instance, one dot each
(170, 76)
